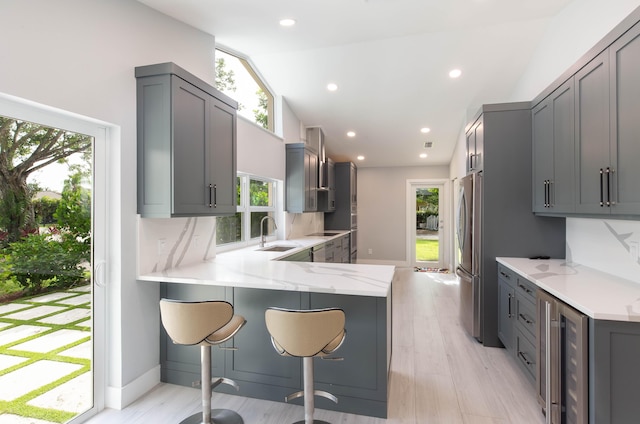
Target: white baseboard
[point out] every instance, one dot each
(121, 397)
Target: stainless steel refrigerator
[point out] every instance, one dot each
(496, 217)
(468, 231)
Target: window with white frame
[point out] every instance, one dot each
(256, 199)
(238, 78)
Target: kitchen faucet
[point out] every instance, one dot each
(263, 236)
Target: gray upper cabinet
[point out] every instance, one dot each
(301, 191)
(624, 90)
(475, 146)
(601, 128)
(553, 152)
(186, 145)
(592, 135)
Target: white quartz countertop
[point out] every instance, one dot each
(252, 268)
(596, 294)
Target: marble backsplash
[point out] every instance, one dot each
(173, 242)
(301, 224)
(610, 246)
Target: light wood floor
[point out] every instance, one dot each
(438, 374)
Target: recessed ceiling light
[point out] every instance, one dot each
(332, 87)
(425, 130)
(351, 134)
(360, 157)
(423, 155)
(455, 73)
(287, 22)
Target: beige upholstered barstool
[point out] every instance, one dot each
(203, 323)
(307, 334)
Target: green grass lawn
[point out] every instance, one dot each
(427, 250)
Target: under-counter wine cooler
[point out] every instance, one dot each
(562, 370)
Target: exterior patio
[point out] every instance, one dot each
(45, 357)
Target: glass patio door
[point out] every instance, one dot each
(428, 235)
(52, 331)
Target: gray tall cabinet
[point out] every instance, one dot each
(509, 228)
(186, 145)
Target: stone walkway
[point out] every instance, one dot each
(45, 357)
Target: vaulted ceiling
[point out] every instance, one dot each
(390, 59)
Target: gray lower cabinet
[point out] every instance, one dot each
(517, 319)
(301, 179)
(186, 145)
(506, 300)
(359, 381)
(614, 349)
(592, 372)
(553, 152)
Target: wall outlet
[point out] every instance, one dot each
(196, 241)
(370, 251)
(633, 250)
(162, 246)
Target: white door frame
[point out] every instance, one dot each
(106, 141)
(444, 215)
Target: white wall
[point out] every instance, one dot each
(598, 243)
(79, 56)
(575, 30)
(382, 210)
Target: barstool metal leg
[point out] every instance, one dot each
(205, 380)
(309, 404)
(209, 416)
(308, 392)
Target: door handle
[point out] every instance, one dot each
(99, 274)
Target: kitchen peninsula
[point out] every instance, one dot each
(253, 280)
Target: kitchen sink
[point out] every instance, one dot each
(276, 248)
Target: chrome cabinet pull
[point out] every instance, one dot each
(509, 313)
(215, 195)
(210, 187)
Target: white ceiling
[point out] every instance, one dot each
(390, 59)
